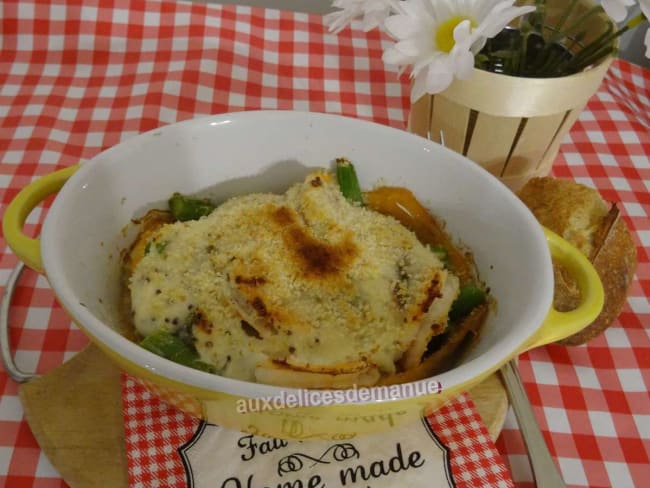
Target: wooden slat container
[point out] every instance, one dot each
(511, 126)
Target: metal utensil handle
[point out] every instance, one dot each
(545, 472)
(5, 352)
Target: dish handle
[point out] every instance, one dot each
(559, 325)
(28, 249)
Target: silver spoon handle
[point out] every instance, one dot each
(5, 352)
(545, 472)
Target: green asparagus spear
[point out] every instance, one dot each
(158, 246)
(169, 346)
(185, 208)
(348, 181)
(469, 297)
(442, 253)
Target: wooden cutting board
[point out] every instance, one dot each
(75, 413)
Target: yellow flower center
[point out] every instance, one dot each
(445, 33)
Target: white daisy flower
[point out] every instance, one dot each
(371, 12)
(439, 38)
(617, 9)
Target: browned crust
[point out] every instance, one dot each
(315, 258)
(444, 357)
(434, 290)
(610, 246)
(615, 264)
(149, 224)
(413, 355)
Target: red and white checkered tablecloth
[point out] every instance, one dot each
(77, 77)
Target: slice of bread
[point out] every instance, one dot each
(581, 216)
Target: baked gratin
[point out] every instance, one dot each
(302, 289)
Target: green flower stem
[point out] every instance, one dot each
(576, 40)
(582, 60)
(592, 11)
(632, 23)
(561, 49)
(541, 59)
(550, 67)
(604, 39)
(524, 55)
(562, 21)
(601, 47)
(543, 67)
(540, 8)
(597, 56)
(560, 69)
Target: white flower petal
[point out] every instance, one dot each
(394, 57)
(647, 43)
(483, 9)
(372, 13)
(409, 47)
(415, 28)
(463, 62)
(443, 10)
(337, 21)
(500, 17)
(462, 33)
(375, 14)
(439, 76)
(423, 7)
(332, 20)
(339, 3)
(616, 9)
(419, 88)
(396, 6)
(478, 45)
(401, 26)
(422, 63)
(371, 21)
(645, 8)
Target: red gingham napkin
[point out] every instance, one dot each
(155, 432)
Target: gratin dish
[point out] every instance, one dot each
(87, 228)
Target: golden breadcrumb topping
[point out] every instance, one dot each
(303, 282)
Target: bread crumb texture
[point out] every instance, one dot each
(574, 210)
(304, 281)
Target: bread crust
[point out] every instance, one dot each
(580, 215)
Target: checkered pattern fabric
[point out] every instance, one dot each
(78, 77)
(474, 459)
(155, 431)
